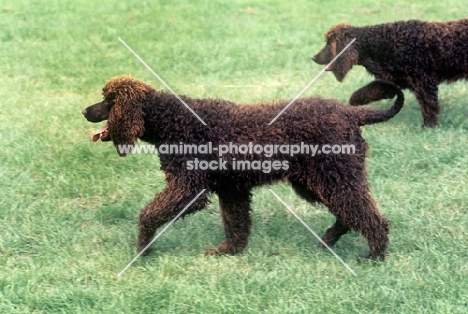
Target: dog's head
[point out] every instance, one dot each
(336, 39)
(122, 107)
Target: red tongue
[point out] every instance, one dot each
(100, 134)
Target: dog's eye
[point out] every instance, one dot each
(108, 103)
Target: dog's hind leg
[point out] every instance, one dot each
(235, 211)
(358, 211)
(334, 233)
(165, 207)
(426, 92)
(354, 209)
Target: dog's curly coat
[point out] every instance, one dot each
(413, 54)
(135, 110)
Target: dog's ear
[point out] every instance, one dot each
(337, 38)
(345, 62)
(127, 117)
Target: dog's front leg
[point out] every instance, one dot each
(165, 207)
(235, 211)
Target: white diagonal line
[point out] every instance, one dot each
(311, 82)
(312, 231)
(161, 232)
(161, 80)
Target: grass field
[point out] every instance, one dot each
(69, 207)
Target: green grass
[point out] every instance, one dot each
(68, 207)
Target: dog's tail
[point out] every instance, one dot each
(387, 90)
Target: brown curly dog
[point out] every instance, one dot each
(135, 110)
(413, 54)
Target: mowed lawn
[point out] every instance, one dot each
(69, 207)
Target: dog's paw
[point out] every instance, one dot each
(213, 252)
(328, 240)
(145, 252)
(224, 249)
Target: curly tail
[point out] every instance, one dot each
(385, 89)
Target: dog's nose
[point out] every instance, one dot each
(84, 112)
(314, 58)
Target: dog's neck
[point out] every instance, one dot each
(165, 113)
